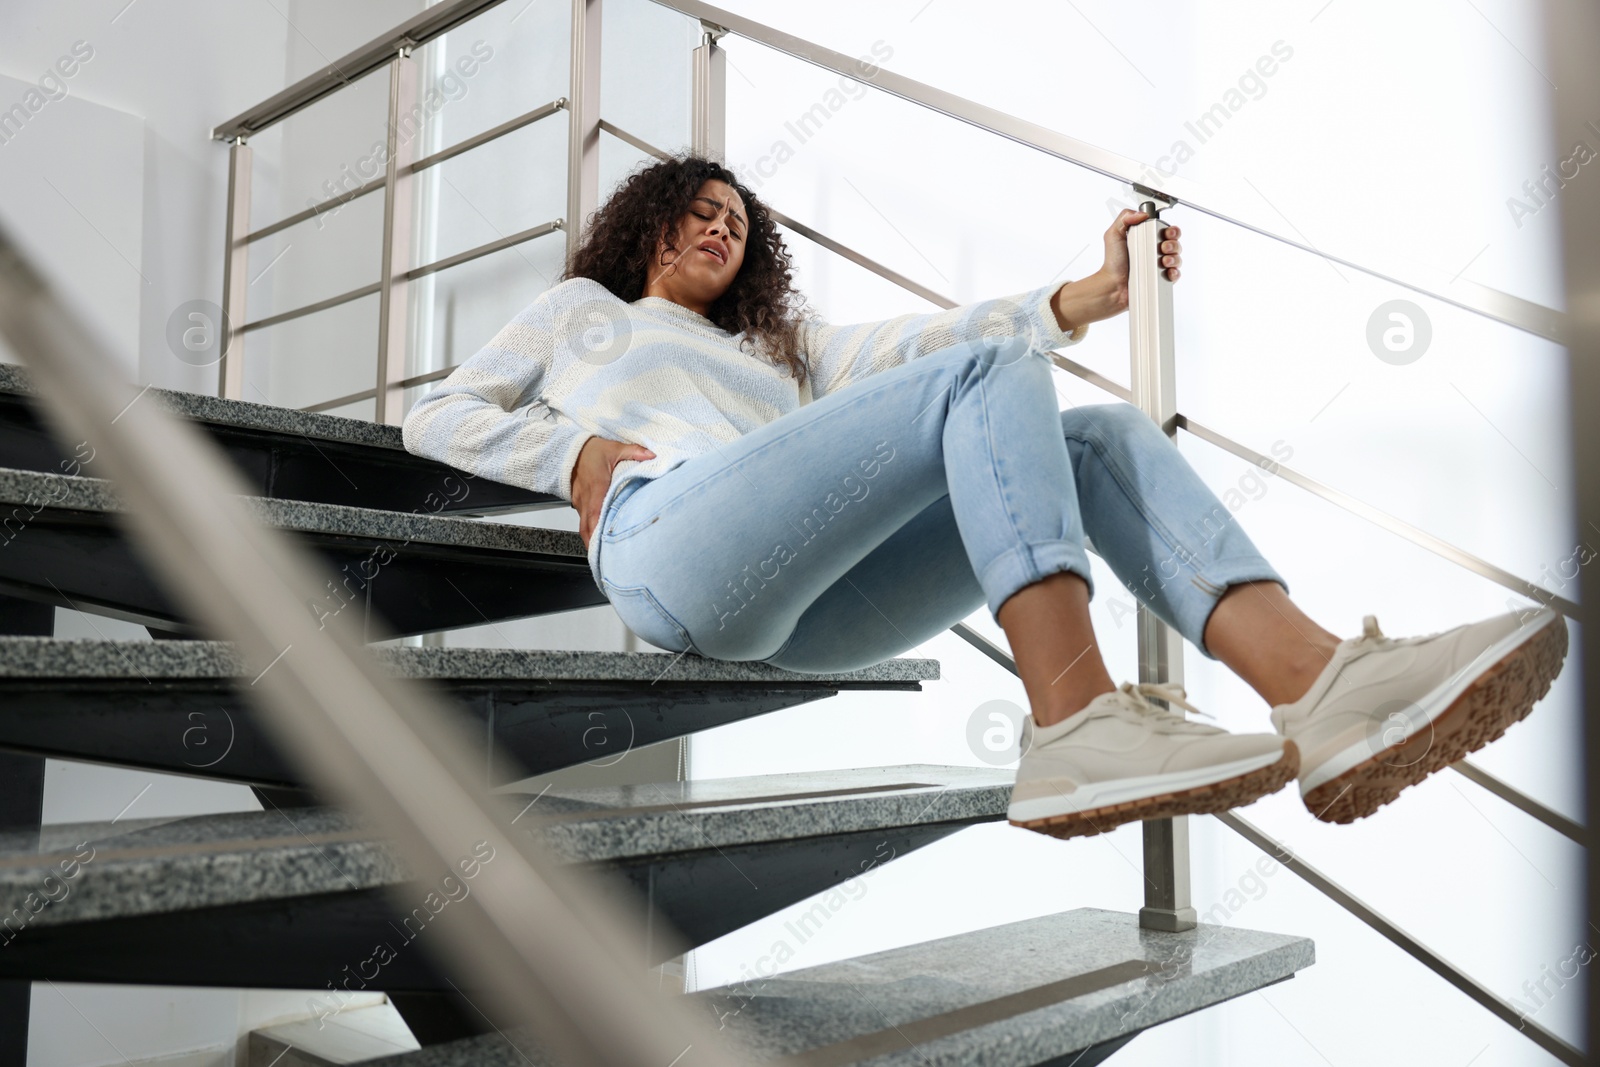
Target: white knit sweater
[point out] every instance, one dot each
(580, 362)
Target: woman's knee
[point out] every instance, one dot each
(1109, 423)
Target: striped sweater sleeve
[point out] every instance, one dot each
(840, 355)
(472, 422)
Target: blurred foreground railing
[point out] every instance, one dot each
(548, 949)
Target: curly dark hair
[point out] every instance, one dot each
(621, 240)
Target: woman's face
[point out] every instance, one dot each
(710, 238)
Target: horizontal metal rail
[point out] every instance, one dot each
(1386, 521)
(312, 212)
(308, 309)
(1469, 296)
(425, 377)
(375, 54)
(367, 394)
(527, 118)
(341, 401)
(340, 199)
(1555, 820)
(1424, 955)
(498, 245)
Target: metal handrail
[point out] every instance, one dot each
(549, 944)
(465, 145)
(375, 54)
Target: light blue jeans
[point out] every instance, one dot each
(860, 525)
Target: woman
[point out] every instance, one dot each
(753, 483)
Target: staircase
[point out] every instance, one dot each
(297, 895)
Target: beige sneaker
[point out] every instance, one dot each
(1387, 712)
(1122, 758)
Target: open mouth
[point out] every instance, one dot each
(712, 254)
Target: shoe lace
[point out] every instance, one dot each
(1372, 637)
(1172, 693)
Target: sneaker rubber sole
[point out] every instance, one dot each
(1499, 697)
(1207, 799)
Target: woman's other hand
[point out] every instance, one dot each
(591, 477)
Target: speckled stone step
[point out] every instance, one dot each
(283, 454)
(179, 705)
(404, 573)
(1060, 990)
(288, 898)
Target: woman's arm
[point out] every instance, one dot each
(470, 421)
(1053, 316)
(840, 355)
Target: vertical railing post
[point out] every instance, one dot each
(235, 273)
(708, 121)
(1154, 386)
(394, 305)
(708, 114)
(583, 122)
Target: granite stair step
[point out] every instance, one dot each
(179, 706)
(302, 898)
(283, 453)
(61, 543)
(1062, 990)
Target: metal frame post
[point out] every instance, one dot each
(583, 125)
(235, 272)
(709, 112)
(1571, 31)
(394, 305)
(1154, 387)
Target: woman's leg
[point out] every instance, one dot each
(919, 583)
(724, 554)
(1170, 540)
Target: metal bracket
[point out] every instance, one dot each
(407, 46)
(1163, 199)
(711, 33)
